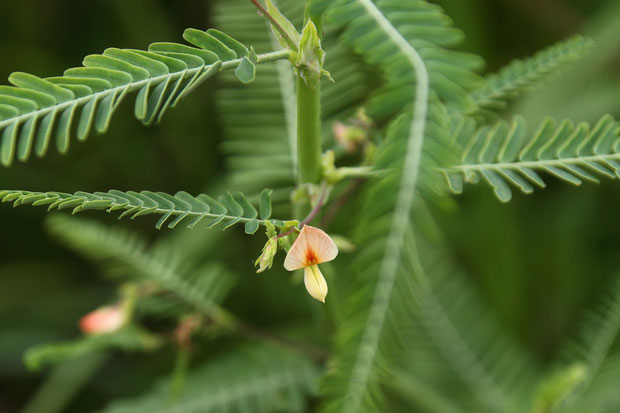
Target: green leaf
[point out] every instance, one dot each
(28, 81)
(424, 26)
(106, 62)
(231, 43)
(44, 133)
(153, 66)
(26, 139)
(258, 379)
(258, 121)
(521, 76)
(447, 313)
(63, 129)
(21, 105)
(504, 157)
(129, 339)
(37, 111)
(252, 226)
(554, 390)
(41, 99)
(290, 39)
(595, 352)
(207, 56)
(104, 112)
(246, 71)
(206, 41)
(230, 210)
(9, 137)
(265, 203)
(123, 254)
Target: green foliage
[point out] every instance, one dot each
(129, 339)
(424, 27)
(405, 327)
(366, 311)
(258, 120)
(523, 75)
(259, 379)
(227, 211)
(557, 388)
(286, 33)
(126, 255)
(584, 380)
(595, 352)
(374, 298)
(471, 342)
(392, 41)
(503, 155)
(36, 111)
(246, 71)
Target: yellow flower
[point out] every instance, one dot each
(311, 248)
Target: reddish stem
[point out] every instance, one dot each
(275, 23)
(317, 207)
(312, 213)
(284, 234)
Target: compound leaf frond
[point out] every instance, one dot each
(36, 111)
(522, 75)
(504, 157)
(228, 210)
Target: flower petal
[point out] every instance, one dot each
(312, 246)
(315, 282)
(296, 256)
(324, 247)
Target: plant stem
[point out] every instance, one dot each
(64, 382)
(249, 330)
(275, 24)
(312, 214)
(261, 58)
(308, 132)
(179, 374)
(319, 204)
(309, 122)
(232, 323)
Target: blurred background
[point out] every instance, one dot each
(539, 260)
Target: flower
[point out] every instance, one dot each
(103, 320)
(312, 247)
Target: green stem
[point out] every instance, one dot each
(177, 384)
(308, 132)
(286, 343)
(64, 382)
(309, 122)
(230, 322)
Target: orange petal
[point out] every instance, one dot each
(312, 246)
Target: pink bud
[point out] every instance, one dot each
(103, 320)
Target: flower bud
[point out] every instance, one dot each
(103, 320)
(265, 261)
